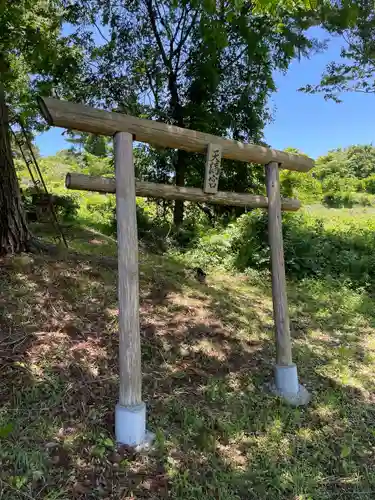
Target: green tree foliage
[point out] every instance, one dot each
(97, 145)
(356, 162)
(305, 187)
(344, 173)
(37, 59)
(199, 64)
(34, 58)
(342, 178)
(354, 22)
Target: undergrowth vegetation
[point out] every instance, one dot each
(207, 349)
(318, 242)
(207, 353)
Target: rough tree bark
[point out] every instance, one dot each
(174, 101)
(14, 233)
(180, 163)
(180, 169)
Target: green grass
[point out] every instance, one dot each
(208, 352)
(364, 216)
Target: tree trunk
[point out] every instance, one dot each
(180, 168)
(180, 163)
(14, 232)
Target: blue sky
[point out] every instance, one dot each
(303, 121)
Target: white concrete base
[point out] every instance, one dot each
(130, 426)
(287, 386)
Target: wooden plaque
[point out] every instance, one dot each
(213, 167)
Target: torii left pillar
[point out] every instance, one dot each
(130, 413)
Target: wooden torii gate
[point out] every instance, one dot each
(130, 412)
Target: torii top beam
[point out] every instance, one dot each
(87, 119)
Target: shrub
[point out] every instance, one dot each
(305, 187)
(364, 199)
(346, 251)
(94, 165)
(249, 240)
(153, 231)
(369, 184)
(342, 249)
(213, 249)
(339, 199)
(66, 207)
(101, 205)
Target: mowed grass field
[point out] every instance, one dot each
(207, 353)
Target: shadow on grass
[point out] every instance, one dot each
(207, 354)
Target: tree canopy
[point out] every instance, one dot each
(36, 57)
(198, 64)
(356, 161)
(354, 23)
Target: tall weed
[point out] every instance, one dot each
(313, 247)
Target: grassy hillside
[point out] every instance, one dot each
(207, 350)
(207, 354)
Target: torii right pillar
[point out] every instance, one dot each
(286, 383)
